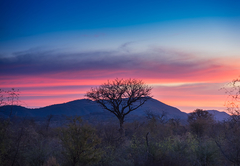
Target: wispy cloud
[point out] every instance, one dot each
(180, 79)
(151, 64)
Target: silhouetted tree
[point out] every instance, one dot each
(121, 97)
(199, 120)
(9, 97)
(232, 89)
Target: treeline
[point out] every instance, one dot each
(201, 141)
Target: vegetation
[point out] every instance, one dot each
(201, 141)
(232, 89)
(79, 142)
(121, 97)
(200, 121)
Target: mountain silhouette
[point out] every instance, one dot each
(92, 111)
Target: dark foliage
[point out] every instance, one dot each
(150, 142)
(200, 121)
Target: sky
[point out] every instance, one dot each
(54, 51)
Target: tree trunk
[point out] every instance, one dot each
(121, 130)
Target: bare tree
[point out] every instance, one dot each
(120, 97)
(232, 89)
(9, 97)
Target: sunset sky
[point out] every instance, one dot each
(54, 51)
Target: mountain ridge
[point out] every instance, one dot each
(89, 109)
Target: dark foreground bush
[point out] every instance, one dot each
(147, 143)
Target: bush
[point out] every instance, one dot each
(80, 143)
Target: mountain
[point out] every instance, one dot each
(220, 116)
(91, 111)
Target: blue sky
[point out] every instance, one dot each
(26, 18)
(30, 24)
(165, 43)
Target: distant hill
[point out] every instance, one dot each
(91, 111)
(220, 116)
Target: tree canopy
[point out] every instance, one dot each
(120, 96)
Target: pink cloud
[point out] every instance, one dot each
(48, 77)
